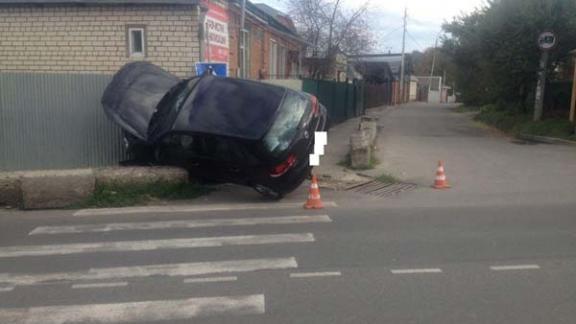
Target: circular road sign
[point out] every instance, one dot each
(547, 41)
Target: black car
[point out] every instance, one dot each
(219, 129)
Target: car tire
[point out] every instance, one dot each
(268, 193)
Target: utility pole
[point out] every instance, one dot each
(434, 58)
(573, 101)
(403, 62)
(242, 41)
(546, 41)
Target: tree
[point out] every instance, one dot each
(496, 53)
(422, 62)
(331, 29)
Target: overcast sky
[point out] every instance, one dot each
(425, 18)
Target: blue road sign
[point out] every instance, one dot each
(218, 69)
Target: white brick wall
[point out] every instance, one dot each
(92, 39)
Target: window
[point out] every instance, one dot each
(285, 127)
(245, 54)
(273, 59)
(136, 42)
(282, 52)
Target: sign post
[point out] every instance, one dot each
(573, 102)
(546, 41)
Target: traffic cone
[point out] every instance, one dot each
(314, 201)
(441, 182)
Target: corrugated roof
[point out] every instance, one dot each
(170, 2)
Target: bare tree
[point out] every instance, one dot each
(331, 29)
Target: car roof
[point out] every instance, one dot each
(230, 107)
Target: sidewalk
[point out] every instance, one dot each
(330, 172)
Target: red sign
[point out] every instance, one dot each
(216, 27)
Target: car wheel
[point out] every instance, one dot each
(268, 192)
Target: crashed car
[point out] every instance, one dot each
(219, 129)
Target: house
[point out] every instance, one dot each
(317, 66)
(273, 47)
(386, 69)
(99, 36)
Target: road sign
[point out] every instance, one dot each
(218, 69)
(547, 41)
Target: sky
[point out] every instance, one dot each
(425, 18)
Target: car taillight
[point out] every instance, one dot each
(315, 106)
(283, 167)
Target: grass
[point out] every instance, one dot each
(517, 123)
(131, 195)
(387, 178)
(466, 109)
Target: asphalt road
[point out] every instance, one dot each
(422, 257)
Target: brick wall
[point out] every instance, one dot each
(260, 37)
(93, 39)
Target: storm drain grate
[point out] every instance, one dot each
(381, 189)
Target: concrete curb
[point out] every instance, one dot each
(545, 139)
(62, 188)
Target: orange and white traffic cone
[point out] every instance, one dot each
(314, 201)
(441, 182)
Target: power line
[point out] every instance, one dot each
(392, 32)
(415, 41)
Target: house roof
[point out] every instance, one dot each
(172, 2)
(394, 61)
(281, 17)
(274, 18)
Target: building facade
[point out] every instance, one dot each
(273, 47)
(100, 36)
(92, 36)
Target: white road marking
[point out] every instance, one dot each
(100, 285)
(136, 312)
(198, 223)
(123, 246)
(515, 267)
(189, 208)
(414, 271)
(315, 274)
(6, 288)
(176, 269)
(210, 279)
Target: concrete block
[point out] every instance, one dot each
(369, 124)
(140, 175)
(56, 189)
(360, 150)
(10, 193)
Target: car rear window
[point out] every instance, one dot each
(285, 127)
(230, 107)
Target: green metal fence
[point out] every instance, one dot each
(55, 121)
(344, 100)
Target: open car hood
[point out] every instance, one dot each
(131, 98)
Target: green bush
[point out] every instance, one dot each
(518, 123)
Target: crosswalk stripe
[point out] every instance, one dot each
(189, 208)
(315, 274)
(100, 285)
(210, 279)
(123, 246)
(175, 269)
(136, 312)
(198, 223)
(6, 288)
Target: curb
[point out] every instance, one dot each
(545, 139)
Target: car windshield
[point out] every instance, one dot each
(285, 127)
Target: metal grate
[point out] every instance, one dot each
(381, 189)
